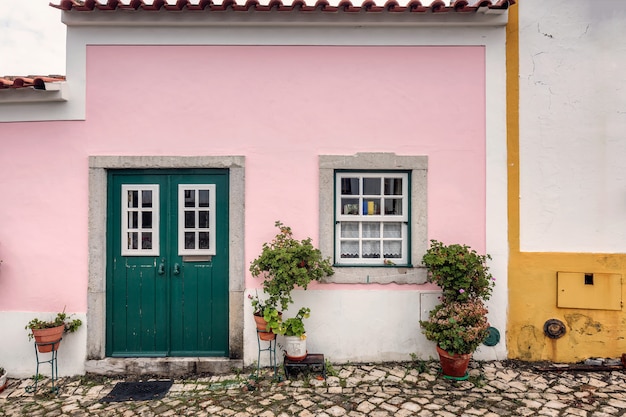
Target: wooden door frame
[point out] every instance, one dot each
(96, 297)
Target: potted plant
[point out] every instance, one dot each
(3, 379)
(48, 331)
(284, 264)
(295, 336)
(266, 317)
(459, 271)
(458, 325)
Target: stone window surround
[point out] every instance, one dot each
(418, 166)
(96, 302)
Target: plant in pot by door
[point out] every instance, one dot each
(47, 331)
(458, 328)
(284, 264)
(3, 379)
(458, 325)
(295, 336)
(266, 317)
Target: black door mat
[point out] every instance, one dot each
(138, 391)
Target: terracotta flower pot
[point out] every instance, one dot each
(47, 336)
(3, 381)
(261, 326)
(454, 365)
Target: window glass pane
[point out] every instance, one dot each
(196, 218)
(190, 240)
(371, 209)
(393, 206)
(371, 186)
(132, 240)
(350, 186)
(349, 229)
(146, 220)
(371, 249)
(349, 249)
(133, 220)
(190, 219)
(371, 206)
(140, 215)
(190, 198)
(392, 248)
(393, 186)
(203, 197)
(133, 199)
(146, 198)
(350, 206)
(146, 240)
(203, 242)
(392, 230)
(203, 219)
(371, 229)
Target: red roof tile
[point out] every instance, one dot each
(369, 6)
(435, 6)
(36, 81)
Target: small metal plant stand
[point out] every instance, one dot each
(53, 364)
(272, 352)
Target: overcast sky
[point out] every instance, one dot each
(32, 38)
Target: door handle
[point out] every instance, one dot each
(176, 269)
(161, 269)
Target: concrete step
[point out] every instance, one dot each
(163, 367)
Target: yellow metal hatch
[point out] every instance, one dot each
(590, 290)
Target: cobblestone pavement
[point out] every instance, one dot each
(415, 388)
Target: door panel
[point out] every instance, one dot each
(159, 301)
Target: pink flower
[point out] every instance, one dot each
(461, 291)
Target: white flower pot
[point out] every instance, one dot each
(295, 348)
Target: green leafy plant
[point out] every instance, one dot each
(460, 272)
(330, 369)
(62, 319)
(273, 318)
(457, 326)
(459, 323)
(284, 264)
(294, 326)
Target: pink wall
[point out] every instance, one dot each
(281, 107)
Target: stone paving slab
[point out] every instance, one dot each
(414, 388)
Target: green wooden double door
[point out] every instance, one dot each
(167, 266)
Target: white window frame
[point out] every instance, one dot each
(155, 250)
(417, 165)
(362, 216)
(181, 220)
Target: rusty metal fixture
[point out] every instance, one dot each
(554, 328)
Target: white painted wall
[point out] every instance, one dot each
(389, 331)
(17, 352)
(338, 327)
(572, 125)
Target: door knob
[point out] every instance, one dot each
(161, 269)
(176, 269)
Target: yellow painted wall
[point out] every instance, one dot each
(533, 300)
(532, 277)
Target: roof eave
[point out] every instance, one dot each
(206, 18)
(54, 92)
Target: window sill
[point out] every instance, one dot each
(377, 274)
